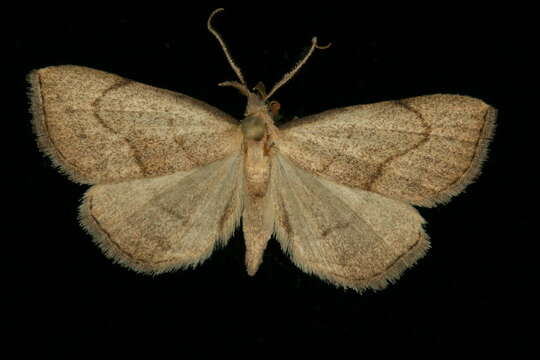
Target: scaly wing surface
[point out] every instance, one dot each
(159, 224)
(350, 237)
(100, 128)
(421, 150)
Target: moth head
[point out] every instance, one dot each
(257, 110)
(257, 100)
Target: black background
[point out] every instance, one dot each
(70, 298)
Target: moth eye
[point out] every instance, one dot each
(274, 107)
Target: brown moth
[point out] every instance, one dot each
(172, 176)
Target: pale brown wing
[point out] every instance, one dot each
(350, 237)
(99, 127)
(421, 150)
(163, 223)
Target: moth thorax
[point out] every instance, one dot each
(253, 127)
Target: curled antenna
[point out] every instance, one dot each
(291, 73)
(223, 46)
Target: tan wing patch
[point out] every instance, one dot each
(421, 150)
(100, 127)
(350, 237)
(164, 223)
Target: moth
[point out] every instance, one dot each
(172, 177)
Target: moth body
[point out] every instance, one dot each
(259, 132)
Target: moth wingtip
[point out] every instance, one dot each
(38, 115)
(480, 156)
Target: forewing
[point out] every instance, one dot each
(99, 128)
(159, 224)
(350, 237)
(421, 150)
